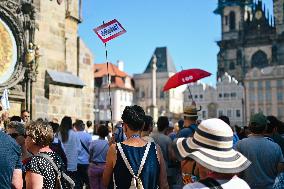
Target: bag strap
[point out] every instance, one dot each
(99, 153)
(127, 162)
(211, 183)
(59, 173)
(84, 147)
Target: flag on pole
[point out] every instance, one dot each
(5, 100)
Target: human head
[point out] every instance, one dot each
(55, 126)
(103, 131)
(225, 119)
(133, 117)
(148, 123)
(65, 126)
(89, 123)
(39, 133)
(17, 131)
(162, 123)
(212, 147)
(79, 125)
(190, 115)
(25, 115)
(16, 118)
(258, 123)
(273, 124)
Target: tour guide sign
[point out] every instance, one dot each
(110, 30)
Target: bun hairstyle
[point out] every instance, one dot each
(134, 117)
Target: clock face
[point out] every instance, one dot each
(258, 15)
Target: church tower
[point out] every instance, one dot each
(278, 7)
(248, 37)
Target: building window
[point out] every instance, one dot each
(251, 96)
(226, 20)
(259, 60)
(220, 113)
(259, 85)
(226, 95)
(267, 85)
(232, 20)
(142, 94)
(229, 113)
(238, 113)
(251, 85)
(279, 84)
(268, 95)
(233, 95)
(232, 66)
(279, 96)
(260, 96)
(201, 96)
(196, 96)
(162, 94)
(220, 95)
(204, 114)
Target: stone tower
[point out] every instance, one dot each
(248, 37)
(278, 6)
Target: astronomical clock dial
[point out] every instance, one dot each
(258, 15)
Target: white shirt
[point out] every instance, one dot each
(71, 148)
(86, 138)
(234, 183)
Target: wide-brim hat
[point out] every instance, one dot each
(191, 111)
(212, 147)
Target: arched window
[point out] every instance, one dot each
(232, 20)
(259, 60)
(232, 66)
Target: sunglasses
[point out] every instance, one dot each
(16, 135)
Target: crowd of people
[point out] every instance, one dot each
(137, 154)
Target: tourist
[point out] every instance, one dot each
(148, 128)
(134, 162)
(40, 172)
(98, 151)
(83, 156)
(25, 115)
(265, 155)
(235, 136)
(217, 163)
(10, 163)
(72, 146)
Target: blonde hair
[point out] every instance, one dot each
(40, 131)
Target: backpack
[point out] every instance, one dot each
(62, 179)
(57, 148)
(136, 182)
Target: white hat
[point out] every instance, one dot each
(212, 147)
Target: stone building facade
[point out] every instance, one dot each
(227, 98)
(250, 36)
(120, 90)
(169, 103)
(264, 89)
(61, 82)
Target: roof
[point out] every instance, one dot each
(101, 70)
(64, 78)
(164, 61)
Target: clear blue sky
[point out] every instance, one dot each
(188, 28)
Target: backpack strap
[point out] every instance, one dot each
(136, 181)
(59, 173)
(84, 146)
(211, 183)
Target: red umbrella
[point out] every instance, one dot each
(184, 77)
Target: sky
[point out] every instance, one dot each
(188, 28)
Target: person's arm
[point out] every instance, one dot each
(163, 182)
(110, 163)
(17, 181)
(34, 180)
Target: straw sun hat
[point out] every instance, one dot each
(212, 147)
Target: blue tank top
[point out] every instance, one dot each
(150, 172)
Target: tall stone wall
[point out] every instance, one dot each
(61, 50)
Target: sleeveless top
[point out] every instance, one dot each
(150, 172)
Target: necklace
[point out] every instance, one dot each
(135, 136)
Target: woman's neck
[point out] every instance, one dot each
(221, 176)
(130, 134)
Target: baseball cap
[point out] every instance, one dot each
(259, 119)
